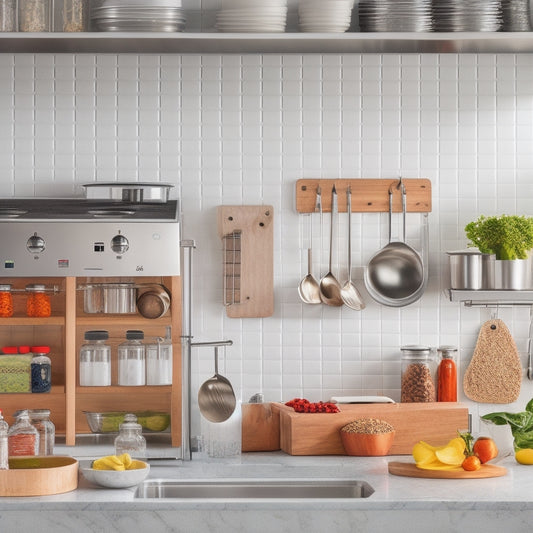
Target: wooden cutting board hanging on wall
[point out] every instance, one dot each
(495, 371)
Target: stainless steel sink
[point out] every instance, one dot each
(241, 489)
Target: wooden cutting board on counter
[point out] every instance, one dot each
(411, 470)
(319, 433)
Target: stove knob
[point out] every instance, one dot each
(119, 244)
(35, 244)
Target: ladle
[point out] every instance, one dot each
(309, 289)
(349, 292)
(395, 274)
(216, 398)
(330, 288)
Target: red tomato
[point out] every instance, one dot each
(471, 463)
(485, 448)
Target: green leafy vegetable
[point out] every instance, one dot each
(506, 236)
(521, 425)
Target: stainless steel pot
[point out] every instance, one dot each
(471, 270)
(136, 192)
(110, 298)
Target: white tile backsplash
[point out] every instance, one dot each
(235, 129)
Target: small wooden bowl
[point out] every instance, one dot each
(367, 444)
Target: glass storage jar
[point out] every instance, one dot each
(75, 15)
(34, 15)
(38, 301)
(6, 301)
(22, 437)
(40, 420)
(130, 439)
(41, 369)
(95, 360)
(131, 359)
(447, 375)
(8, 18)
(4, 451)
(159, 362)
(418, 374)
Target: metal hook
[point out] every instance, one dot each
(399, 185)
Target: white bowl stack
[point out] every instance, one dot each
(252, 16)
(330, 16)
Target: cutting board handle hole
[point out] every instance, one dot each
(493, 326)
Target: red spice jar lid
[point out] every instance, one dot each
(10, 349)
(40, 349)
(24, 349)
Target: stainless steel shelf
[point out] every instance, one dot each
(224, 43)
(491, 298)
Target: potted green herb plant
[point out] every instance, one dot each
(510, 239)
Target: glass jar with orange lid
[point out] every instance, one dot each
(38, 301)
(6, 301)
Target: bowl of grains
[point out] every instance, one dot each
(367, 437)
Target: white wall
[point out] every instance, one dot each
(238, 129)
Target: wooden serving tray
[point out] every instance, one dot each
(39, 476)
(411, 470)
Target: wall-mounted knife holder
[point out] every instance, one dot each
(247, 234)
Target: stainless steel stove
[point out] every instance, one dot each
(89, 237)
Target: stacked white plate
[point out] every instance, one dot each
(330, 16)
(252, 16)
(395, 15)
(139, 15)
(467, 15)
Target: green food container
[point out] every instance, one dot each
(15, 373)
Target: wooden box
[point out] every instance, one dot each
(319, 433)
(260, 427)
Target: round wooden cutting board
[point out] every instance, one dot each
(411, 470)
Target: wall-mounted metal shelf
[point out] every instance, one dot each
(223, 43)
(491, 298)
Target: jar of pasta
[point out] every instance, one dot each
(6, 301)
(38, 301)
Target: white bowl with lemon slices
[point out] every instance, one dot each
(115, 472)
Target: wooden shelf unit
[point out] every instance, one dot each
(64, 333)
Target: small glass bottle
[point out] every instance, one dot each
(95, 360)
(40, 419)
(34, 15)
(41, 369)
(8, 18)
(447, 375)
(159, 362)
(4, 451)
(130, 439)
(131, 359)
(6, 298)
(38, 301)
(418, 374)
(22, 437)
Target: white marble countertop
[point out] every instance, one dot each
(508, 498)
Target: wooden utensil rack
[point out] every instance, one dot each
(368, 195)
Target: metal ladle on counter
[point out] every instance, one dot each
(216, 398)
